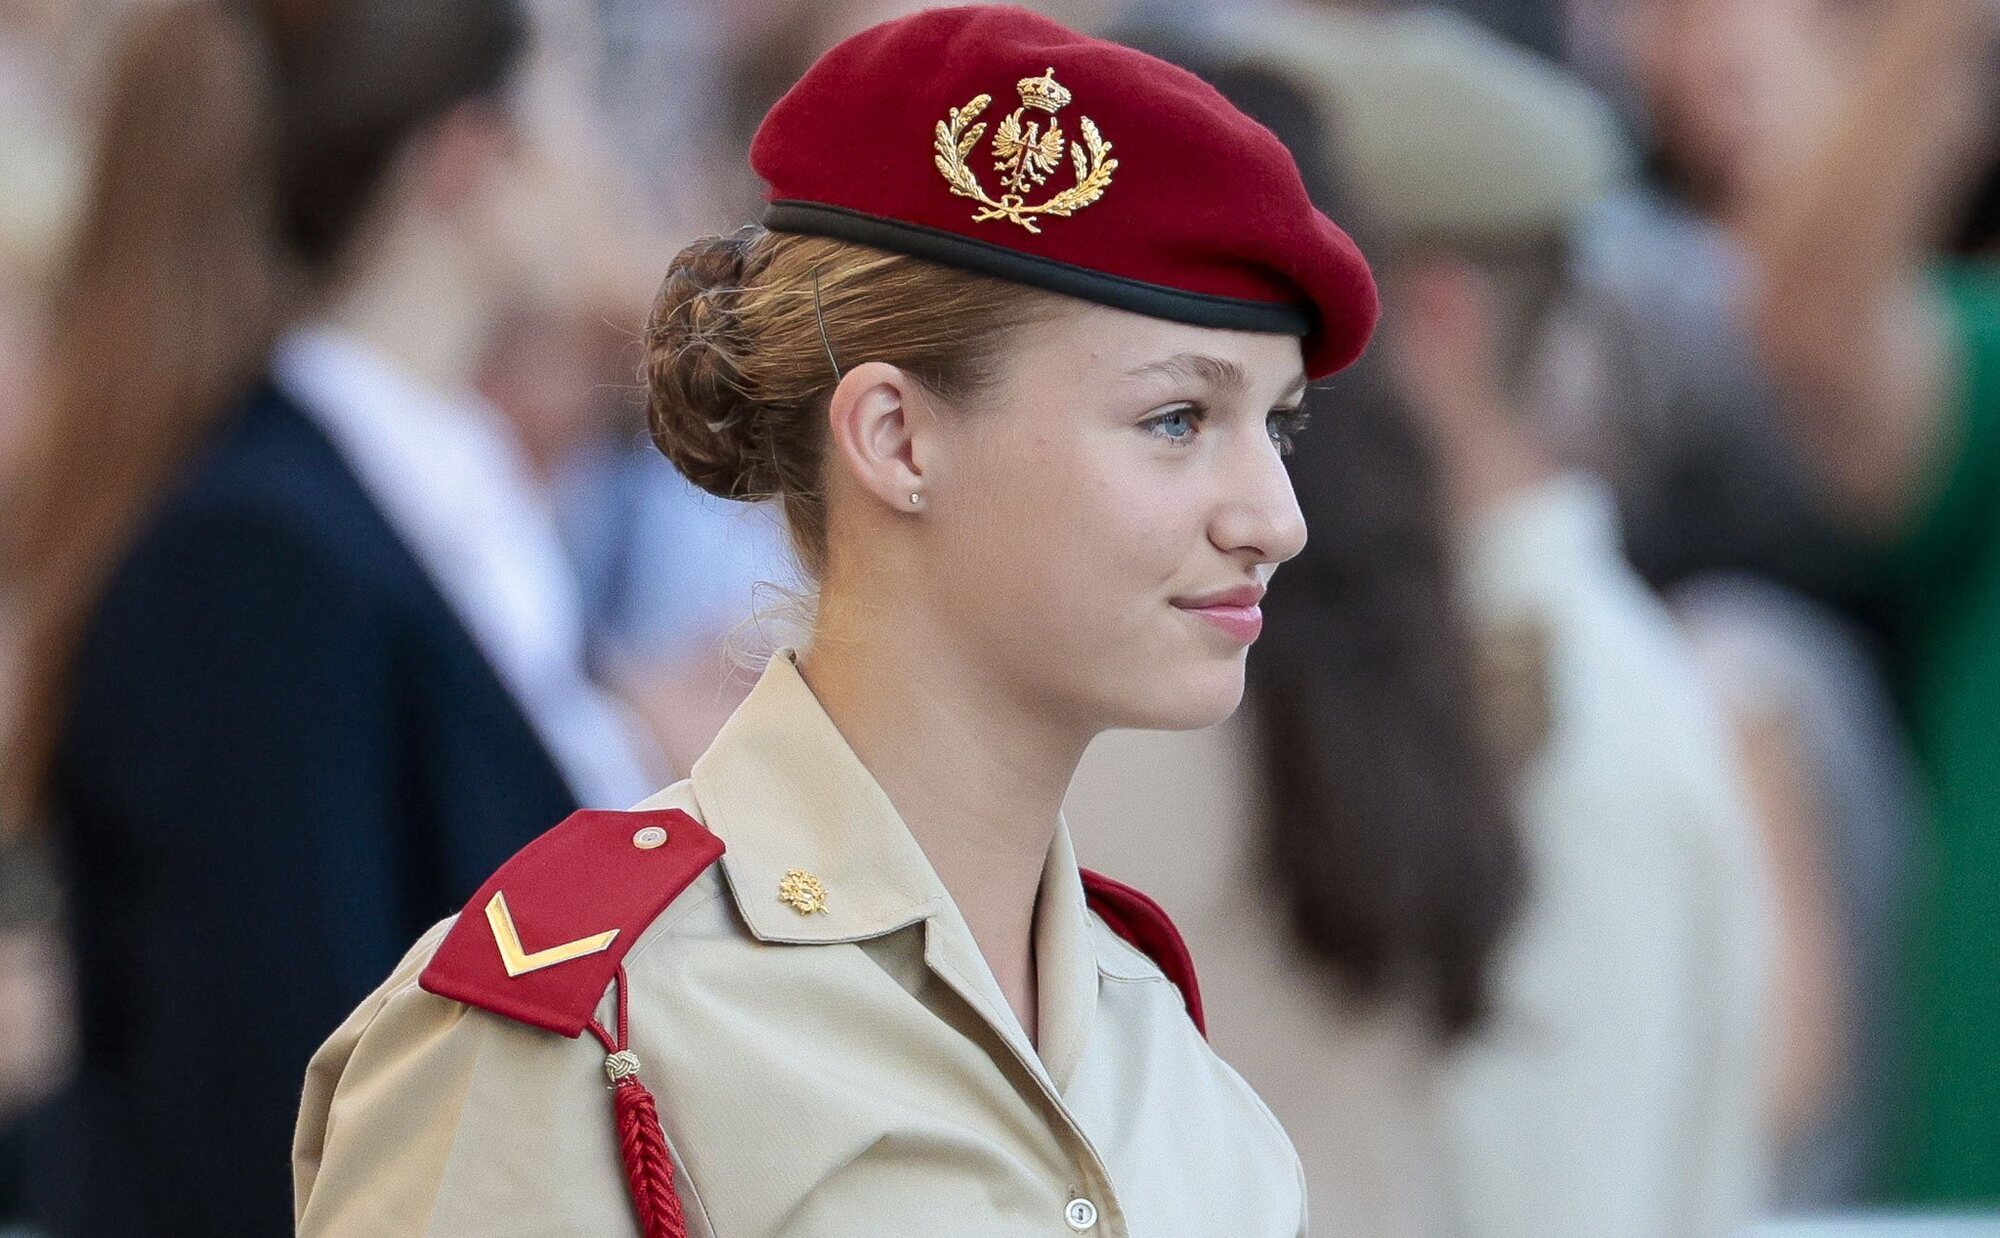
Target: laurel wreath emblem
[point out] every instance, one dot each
(1022, 164)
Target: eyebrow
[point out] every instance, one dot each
(1216, 371)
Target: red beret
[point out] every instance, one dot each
(995, 140)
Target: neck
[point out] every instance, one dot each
(978, 775)
(416, 300)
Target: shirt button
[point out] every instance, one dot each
(1081, 1214)
(650, 837)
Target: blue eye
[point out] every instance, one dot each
(1177, 426)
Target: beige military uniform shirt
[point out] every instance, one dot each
(856, 1071)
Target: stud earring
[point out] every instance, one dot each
(915, 498)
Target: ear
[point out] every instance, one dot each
(875, 424)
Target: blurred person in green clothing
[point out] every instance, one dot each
(1891, 362)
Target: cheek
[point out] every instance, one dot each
(1060, 568)
(1076, 522)
(1113, 512)
(1034, 515)
(1145, 527)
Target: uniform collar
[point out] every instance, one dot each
(782, 788)
(1066, 962)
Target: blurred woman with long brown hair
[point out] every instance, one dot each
(1499, 966)
(301, 667)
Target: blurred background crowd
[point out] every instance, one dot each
(1610, 846)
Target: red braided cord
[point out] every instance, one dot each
(643, 1147)
(642, 1144)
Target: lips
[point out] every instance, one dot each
(1233, 612)
(1241, 596)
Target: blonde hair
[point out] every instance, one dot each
(749, 336)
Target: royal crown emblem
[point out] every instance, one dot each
(1025, 155)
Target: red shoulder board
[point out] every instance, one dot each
(1143, 923)
(544, 937)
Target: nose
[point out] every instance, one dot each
(1259, 515)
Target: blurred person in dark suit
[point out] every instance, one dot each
(303, 661)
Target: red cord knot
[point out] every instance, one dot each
(621, 1066)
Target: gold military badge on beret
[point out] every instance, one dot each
(1025, 155)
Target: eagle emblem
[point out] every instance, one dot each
(1025, 154)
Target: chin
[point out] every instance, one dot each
(1180, 695)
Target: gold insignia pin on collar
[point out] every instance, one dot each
(1024, 155)
(802, 892)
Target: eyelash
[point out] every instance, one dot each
(1285, 424)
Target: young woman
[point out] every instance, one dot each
(296, 621)
(1019, 348)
